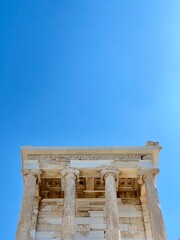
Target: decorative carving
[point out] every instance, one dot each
(54, 157)
(70, 171)
(104, 157)
(91, 187)
(144, 173)
(84, 157)
(105, 172)
(69, 157)
(35, 172)
(98, 184)
(126, 182)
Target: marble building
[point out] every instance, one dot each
(90, 193)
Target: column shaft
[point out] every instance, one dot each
(69, 209)
(24, 225)
(156, 219)
(112, 218)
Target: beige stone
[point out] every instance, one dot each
(90, 193)
(25, 220)
(111, 209)
(156, 219)
(69, 208)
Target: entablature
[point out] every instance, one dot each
(90, 156)
(89, 162)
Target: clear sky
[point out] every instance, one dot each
(89, 73)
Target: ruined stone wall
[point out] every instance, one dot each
(91, 219)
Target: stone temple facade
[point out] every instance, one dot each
(90, 193)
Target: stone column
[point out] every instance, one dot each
(24, 225)
(112, 218)
(69, 208)
(156, 219)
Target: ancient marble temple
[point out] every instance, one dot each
(90, 193)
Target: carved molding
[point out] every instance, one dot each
(69, 157)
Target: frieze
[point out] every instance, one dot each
(69, 157)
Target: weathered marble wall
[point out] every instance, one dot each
(90, 219)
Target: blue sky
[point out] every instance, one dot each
(89, 73)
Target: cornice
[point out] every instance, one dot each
(73, 150)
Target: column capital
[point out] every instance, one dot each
(70, 171)
(34, 172)
(111, 171)
(144, 173)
